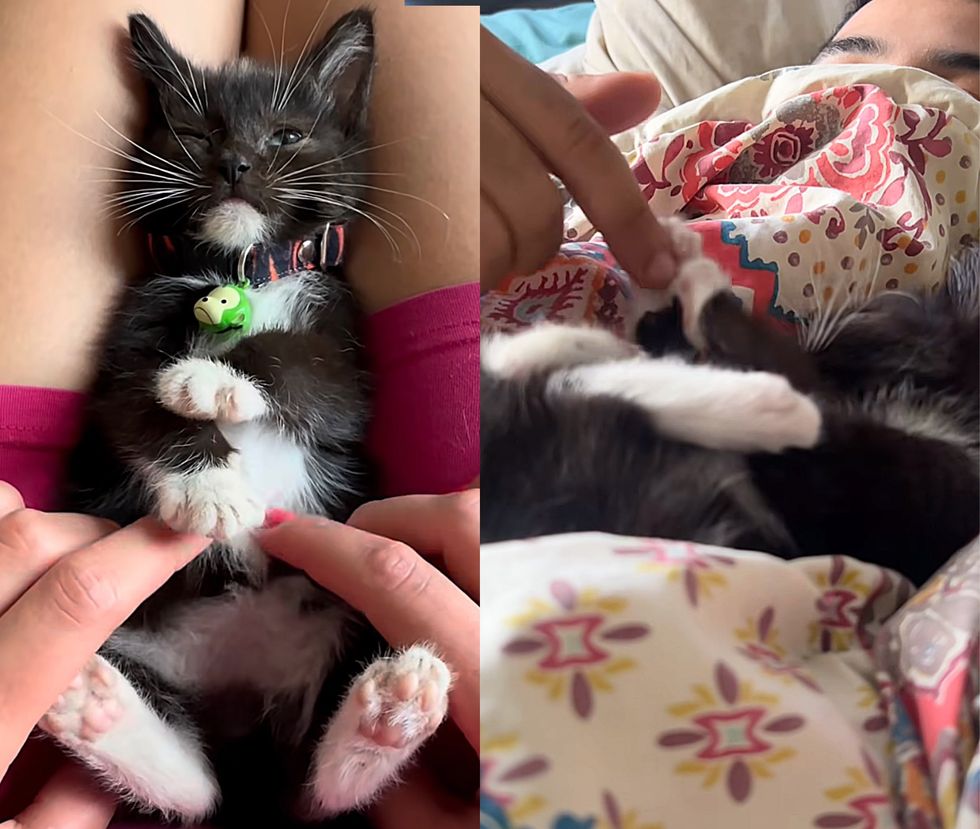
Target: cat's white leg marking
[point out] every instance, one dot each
(549, 346)
(698, 278)
(202, 389)
(390, 710)
(103, 721)
(215, 501)
(715, 407)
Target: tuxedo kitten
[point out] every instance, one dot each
(861, 440)
(231, 381)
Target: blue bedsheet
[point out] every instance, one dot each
(538, 34)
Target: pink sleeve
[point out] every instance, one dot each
(425, 355)
(37, 428)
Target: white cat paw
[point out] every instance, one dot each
(769, 415)
(395, 705)
(697, 281)
(550, 346)
(202, 389)
(105, 723)
(687, 243)
(88, 708)
(403, 698)
(215, 501)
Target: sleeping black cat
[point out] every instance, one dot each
(241, 683)
(862, 441)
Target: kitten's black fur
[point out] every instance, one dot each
(893, 479)
(215, 134)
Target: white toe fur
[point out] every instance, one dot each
(203, 389)
(215, 501)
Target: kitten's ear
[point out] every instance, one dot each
(342, 65)
(167, 71)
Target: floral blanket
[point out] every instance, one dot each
(647, 684)
(809, 188)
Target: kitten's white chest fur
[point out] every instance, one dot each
(274, 466)
(270, 467)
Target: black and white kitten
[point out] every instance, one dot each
(241, 683)
(862, 440)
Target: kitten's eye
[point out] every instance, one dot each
(285, 136)
(194, 135)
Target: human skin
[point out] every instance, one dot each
(63, 263)
(940, 36)
(530, 127)
(66, 582)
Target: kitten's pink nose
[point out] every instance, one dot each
(233, 167)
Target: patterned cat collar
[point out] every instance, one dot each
(261, 264)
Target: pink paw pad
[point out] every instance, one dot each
(88, 707)
(403, 699)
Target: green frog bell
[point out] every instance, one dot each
(224, 310)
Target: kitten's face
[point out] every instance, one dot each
(246, 153)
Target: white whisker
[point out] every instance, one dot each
(180, 168)
(288, 92)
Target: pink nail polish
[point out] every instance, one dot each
(275, 517)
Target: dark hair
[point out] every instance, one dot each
(852, 10)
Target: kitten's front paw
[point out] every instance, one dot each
(215, 501)
(203, 389)
(697, 281)
(403, 698)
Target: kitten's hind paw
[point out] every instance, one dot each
(101, 719)
(202, 389)
(403, 699)
(393, 707)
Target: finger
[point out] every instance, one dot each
(10, 499)
(496, 245)
(71, 611)
(514, 180)
(444, 525)
(405, 598)
(557, 127)
(618, 100)
(69, 800)
(31, 542)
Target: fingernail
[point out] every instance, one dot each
(275, 517)
(662, 270)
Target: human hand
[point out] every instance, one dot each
(374, 563)
(66, 582)
(532, 126)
